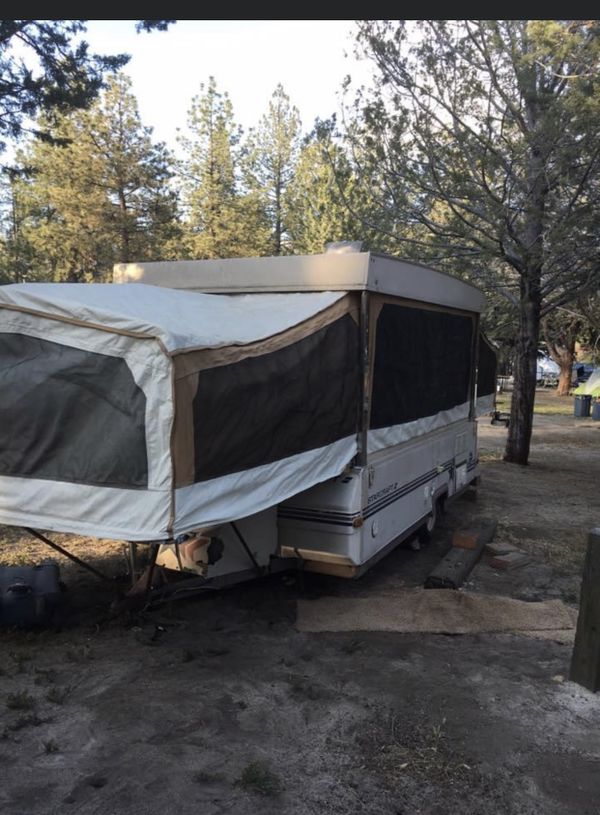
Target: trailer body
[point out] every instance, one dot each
(243, 412)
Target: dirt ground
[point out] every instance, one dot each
(219, 705)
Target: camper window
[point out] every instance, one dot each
(422, 364)
(58, 404)
(270, 407)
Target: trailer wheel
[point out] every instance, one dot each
(426, 531)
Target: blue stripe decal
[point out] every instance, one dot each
(337, 518)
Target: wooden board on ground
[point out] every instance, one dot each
(495, 548)
(453, 570)
(585, 662)
(510, 560)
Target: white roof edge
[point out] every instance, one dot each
(413, 281)
(348, 271)
(287, 273)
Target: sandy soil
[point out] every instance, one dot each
(219, 705)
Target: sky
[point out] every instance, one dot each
(247, 58)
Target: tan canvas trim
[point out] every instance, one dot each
(379, 300)
(138, 335)
(375, 306)
(182, 447)
(188, 362)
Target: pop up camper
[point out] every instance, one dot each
(242, 411)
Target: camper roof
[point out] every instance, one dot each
(331, 271)
(180, 320)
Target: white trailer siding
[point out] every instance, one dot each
(358, 514)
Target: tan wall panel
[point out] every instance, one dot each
(183, 432)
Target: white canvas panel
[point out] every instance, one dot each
(100, 512)
(75, 336)
(484, 404)
(180, 319)
(150, 368)
(384, 437)
(228, 497)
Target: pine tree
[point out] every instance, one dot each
(272, 150)
(135, 176)
(66, 75)
(208, 176)
(99, 194)
(15, 252)
(316, 196)
(486, 133)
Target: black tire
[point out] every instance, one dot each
(425, 533)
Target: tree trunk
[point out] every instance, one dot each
(566, 373)
(530, 302)
(125, 251)
(278, 213)
(523, 399)
(561, 345)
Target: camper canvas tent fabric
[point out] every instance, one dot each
(140, 412)
(135, 412)
(591, 387)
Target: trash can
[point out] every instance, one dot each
(596, 411)
(582, 405)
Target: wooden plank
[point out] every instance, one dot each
(496, 548)
(334, 569)
(465, 538)
(315, 555)
(510, 561)
(452, 571)
(585, 660)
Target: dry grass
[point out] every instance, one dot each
(18, 548)
(547, 403)
(489, 455)
(398, 749)
(563, 406)
(565, 556)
